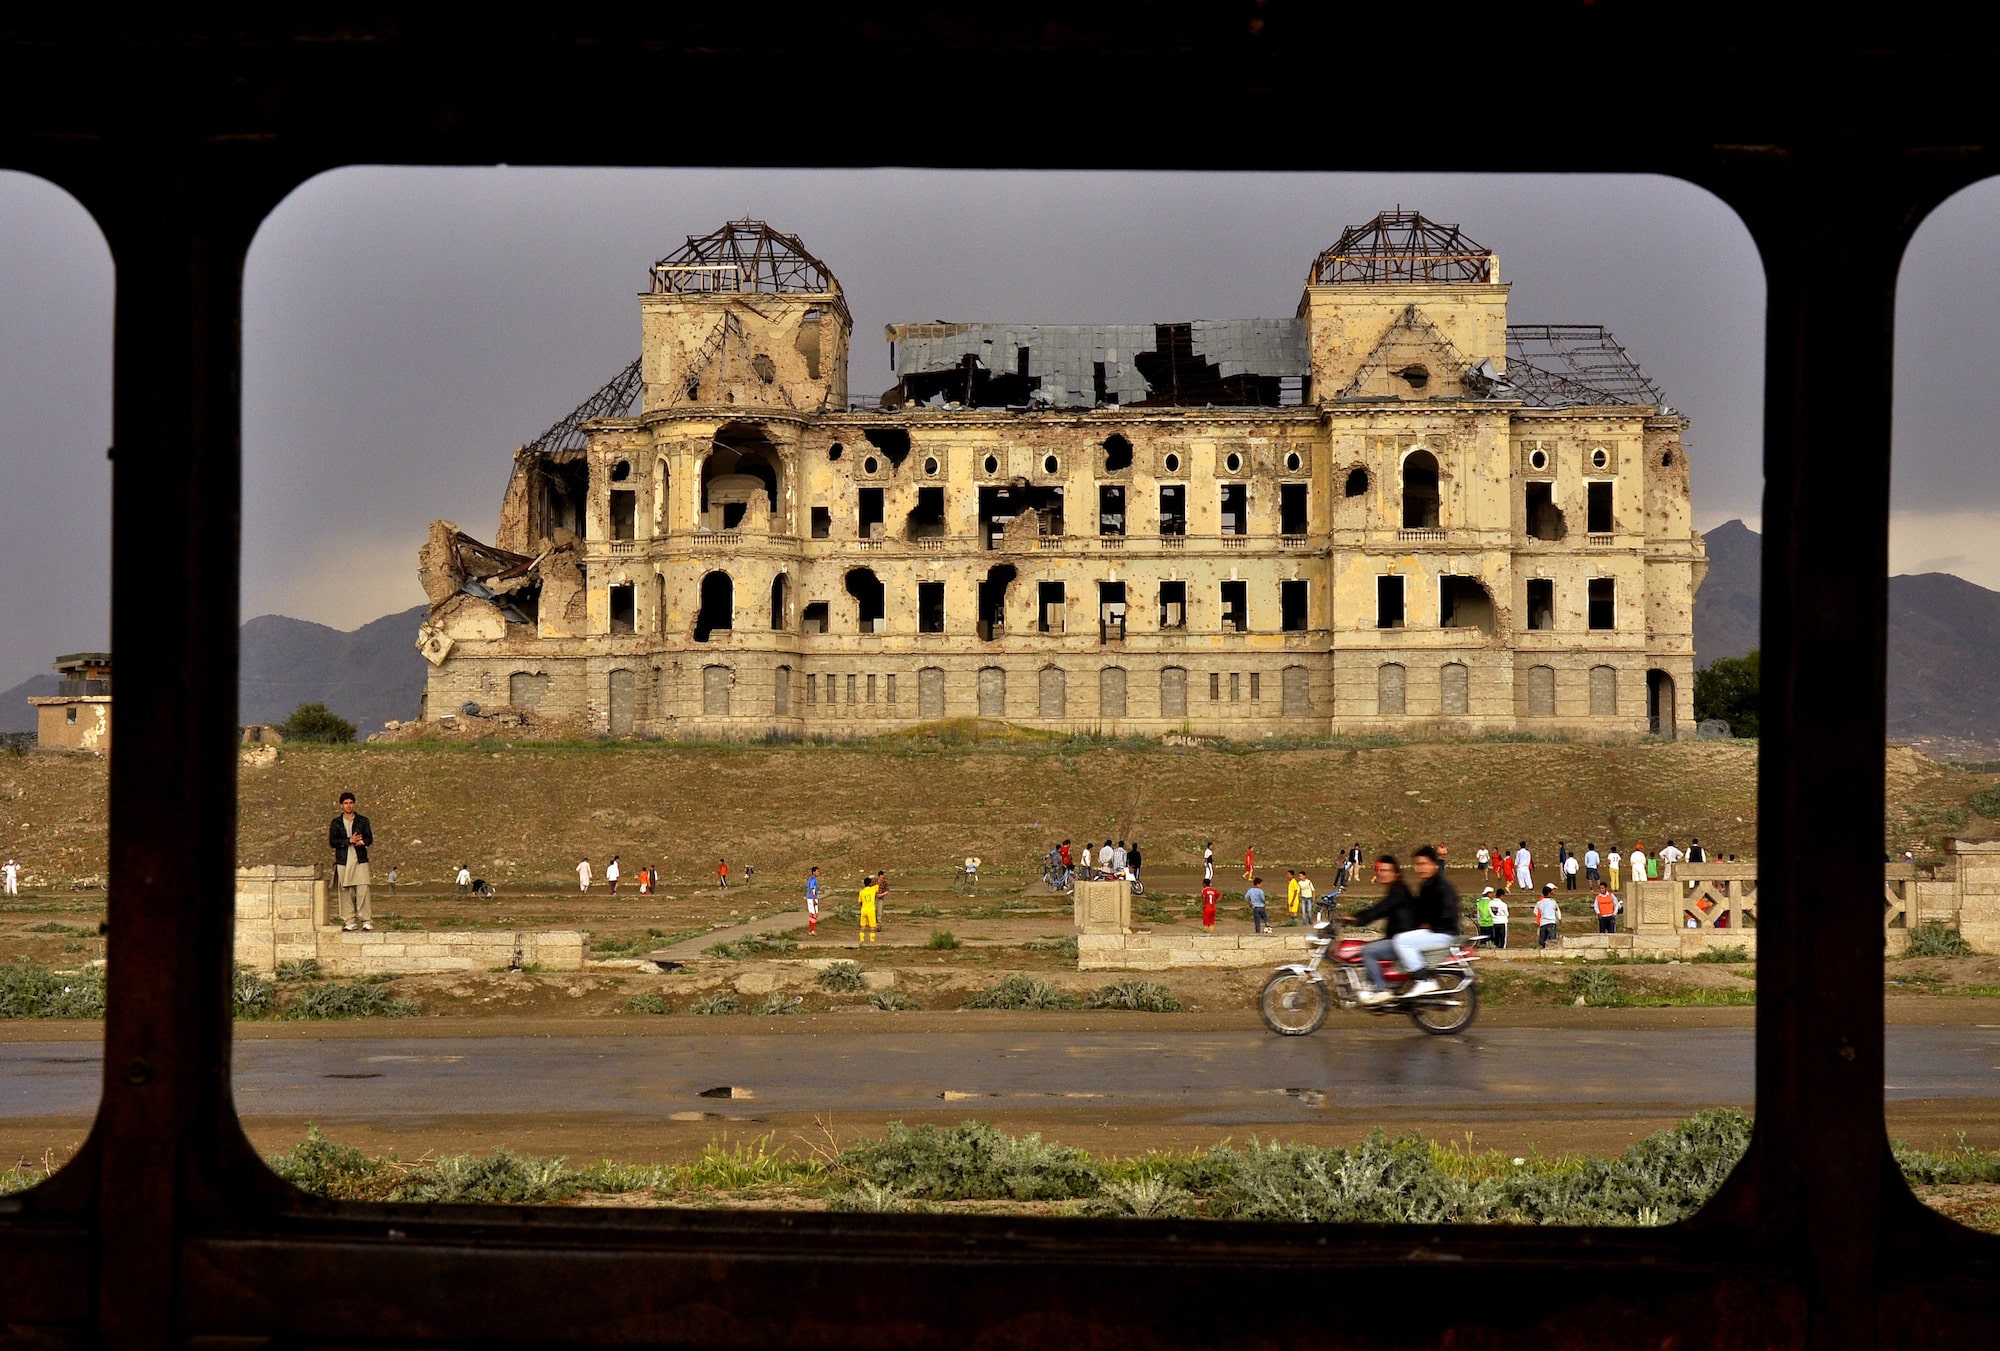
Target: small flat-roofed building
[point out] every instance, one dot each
(77, 717)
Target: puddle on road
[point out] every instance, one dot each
(370, 1075)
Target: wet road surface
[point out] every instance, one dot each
(1223, 1078)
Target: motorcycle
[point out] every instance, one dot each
(1294, 1001)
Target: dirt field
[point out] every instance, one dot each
(522, 814)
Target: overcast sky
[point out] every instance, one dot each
(406, 329)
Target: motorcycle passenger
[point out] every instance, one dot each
(1399, 908)
(1437, 922)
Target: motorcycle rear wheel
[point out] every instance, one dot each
(1441, 1018)
(1293, 1005)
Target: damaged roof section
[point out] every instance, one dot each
(453, 563)
(614, 399)
(1565, 365)
(1203, 363)
(1402, 247)
(745, 255)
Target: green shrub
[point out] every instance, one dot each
(30, 990)
(1935, 938)
(1144, 996)
(1146, 1198)
(250, 995)
(889, 1001)
(1064, 947)
(306, 968)
(756, 945)
(926, 911)
(1951, 1167)
(716, 1003)
(646, 1003)
(778, 1002)
(843, 978)
(942, 940)
(316, 723)
(347, 999)
(870, 1198)
(1735, 952)
(68, 930)
(844, 912)
(968, 1162)
(501, 1178)
(1023, 992)
(624, 947)
(1595, 985)
(339, 1172)
(1986, 802)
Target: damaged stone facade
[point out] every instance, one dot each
(1350, 521)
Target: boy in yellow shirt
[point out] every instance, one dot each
(867, 899)
(1292, 893)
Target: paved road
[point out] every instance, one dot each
(1227, 1078)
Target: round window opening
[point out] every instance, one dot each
(833, 451)
(930, 465)
(992, 465)
(621, 471)
(1173, 464)
(1599, 458)
(1539, 460)
(1233, 463)
(1049, 464)
(870, 465)
(1292, 462)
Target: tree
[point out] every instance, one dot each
(1730, 689)
(315, 722)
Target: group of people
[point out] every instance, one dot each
(1111, 861)
(1516, 869)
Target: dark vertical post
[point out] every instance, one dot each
(1830, 250)
(174, 515)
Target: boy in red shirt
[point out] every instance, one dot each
(1209, 896)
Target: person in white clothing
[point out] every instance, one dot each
(1638, 861)
(1207, 863)
(1569, 872)
(611, 874)
(1104, 857)
(1669, 857)
(1484, 858)
(1548, 917)
(1612, 861)
(1499, 911)
(464, 879)
(13, 874)
(583, 876)
(1523, 877)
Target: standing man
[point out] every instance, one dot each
(1548, 918)
(867, 899)
(1637, 861)
(1104, 857)
(1484, 858)
(1612, 862)
(1523, 864)
(13, 874)
(1696, 854)
(1209, 896)
(1292, 894)
(1569, 873)
(583, 876)
(1120, 857)
(1132, 861)
(812, 901)
(1669, 857)
(1208, 864)
(464, 879)
(611, 874)
(1255, 895)
(1591, 863)
(1068, 867)
(1482, 913)
(1499, 908)
(1307, 901)
(349, 836)
(722, 873)
(1607, 910)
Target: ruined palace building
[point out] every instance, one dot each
(1392, 511)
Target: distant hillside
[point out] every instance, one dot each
(1944, 634)
(368, 676)
(16, 713)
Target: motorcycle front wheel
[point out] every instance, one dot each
(1292, 1004)
(1447, 1012)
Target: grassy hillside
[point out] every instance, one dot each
(524, 814)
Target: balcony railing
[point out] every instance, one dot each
(1293, 541)
(1173, 541)
(714, 541)
(1599, 539)
(1110, 541)
(1050, 541)
(623, 546)
(1235, 541)
(73, 689)
(1420, 534)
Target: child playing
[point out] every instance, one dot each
(812, 901)
(1209, 896)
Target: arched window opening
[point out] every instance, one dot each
(869, 597)
(739, 479)
(1357, 482)
(778, 624)
(1420, 491)
(718, 606)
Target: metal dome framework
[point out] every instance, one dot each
(1402, 246)
(743, 256)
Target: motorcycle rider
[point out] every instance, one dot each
(1437, 921)
(1398, 907)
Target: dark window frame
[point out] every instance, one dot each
(167, 1219)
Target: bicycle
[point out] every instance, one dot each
(1056, 877)
(966, 880)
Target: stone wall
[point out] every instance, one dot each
(282, 915)
(1164, 951)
